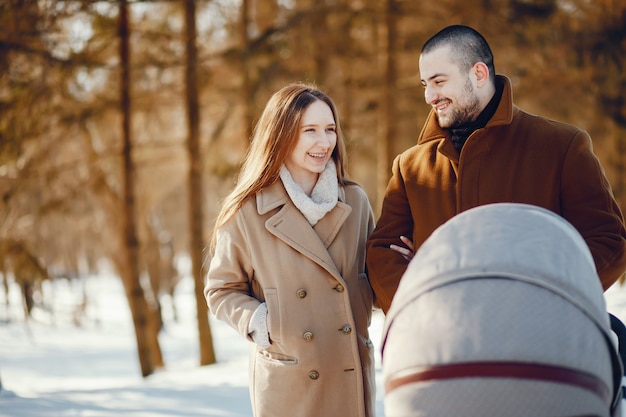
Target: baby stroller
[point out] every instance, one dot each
(501, 313)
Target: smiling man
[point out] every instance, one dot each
(477, 147)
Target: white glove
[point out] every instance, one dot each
(257, 328)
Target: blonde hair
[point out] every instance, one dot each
(274, 138)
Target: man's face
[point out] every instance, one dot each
(451, 93)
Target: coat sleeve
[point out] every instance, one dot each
(588, 203)
(385, 266)
(227, 290)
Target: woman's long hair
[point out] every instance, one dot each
(274, 138)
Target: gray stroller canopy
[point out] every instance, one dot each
(500, 313)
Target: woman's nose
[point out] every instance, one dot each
(326, 139)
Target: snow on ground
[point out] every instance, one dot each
(49, 367)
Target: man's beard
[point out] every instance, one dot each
(466, 112)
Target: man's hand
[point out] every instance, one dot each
(408, 251)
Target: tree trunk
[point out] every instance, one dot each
(619, 166)
(246, 88)
(265, 14)
(130, 271)
(207, 353)
(321, 42)
(385, 150)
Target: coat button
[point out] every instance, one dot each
(301, 293)
(339, 288)
(314, 375)
(308, 336)
(346, 329)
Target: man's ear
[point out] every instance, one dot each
(481, 72)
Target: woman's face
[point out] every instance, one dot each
(316, 141)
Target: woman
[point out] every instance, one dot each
(288, 265)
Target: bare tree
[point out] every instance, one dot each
(385, 150)
(246, 88)
(321, 41)
(207, 353)
(145, 329)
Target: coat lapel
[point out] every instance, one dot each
(329, 226)
(289, 225)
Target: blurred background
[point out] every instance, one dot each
(123, 123)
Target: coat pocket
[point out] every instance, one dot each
(273, 314)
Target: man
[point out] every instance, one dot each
(476, 148)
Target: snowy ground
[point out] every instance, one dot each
(50, 367)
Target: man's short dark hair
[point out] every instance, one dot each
(468, 47)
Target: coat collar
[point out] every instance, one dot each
(275, 196)
(502, 116)
(289, 225)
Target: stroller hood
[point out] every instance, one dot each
(500, 312)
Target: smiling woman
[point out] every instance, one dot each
(288, 265)
(316, 141)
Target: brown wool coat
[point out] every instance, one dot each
(313, 280)
(517, 157)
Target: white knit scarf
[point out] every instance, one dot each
(323, 198)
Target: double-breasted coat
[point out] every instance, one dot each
(319, 300)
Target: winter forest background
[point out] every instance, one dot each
(123, 123)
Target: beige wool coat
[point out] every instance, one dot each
(313, 279)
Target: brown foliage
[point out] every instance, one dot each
(60, 146)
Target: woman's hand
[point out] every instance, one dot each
(257, 328)
(407, 252)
